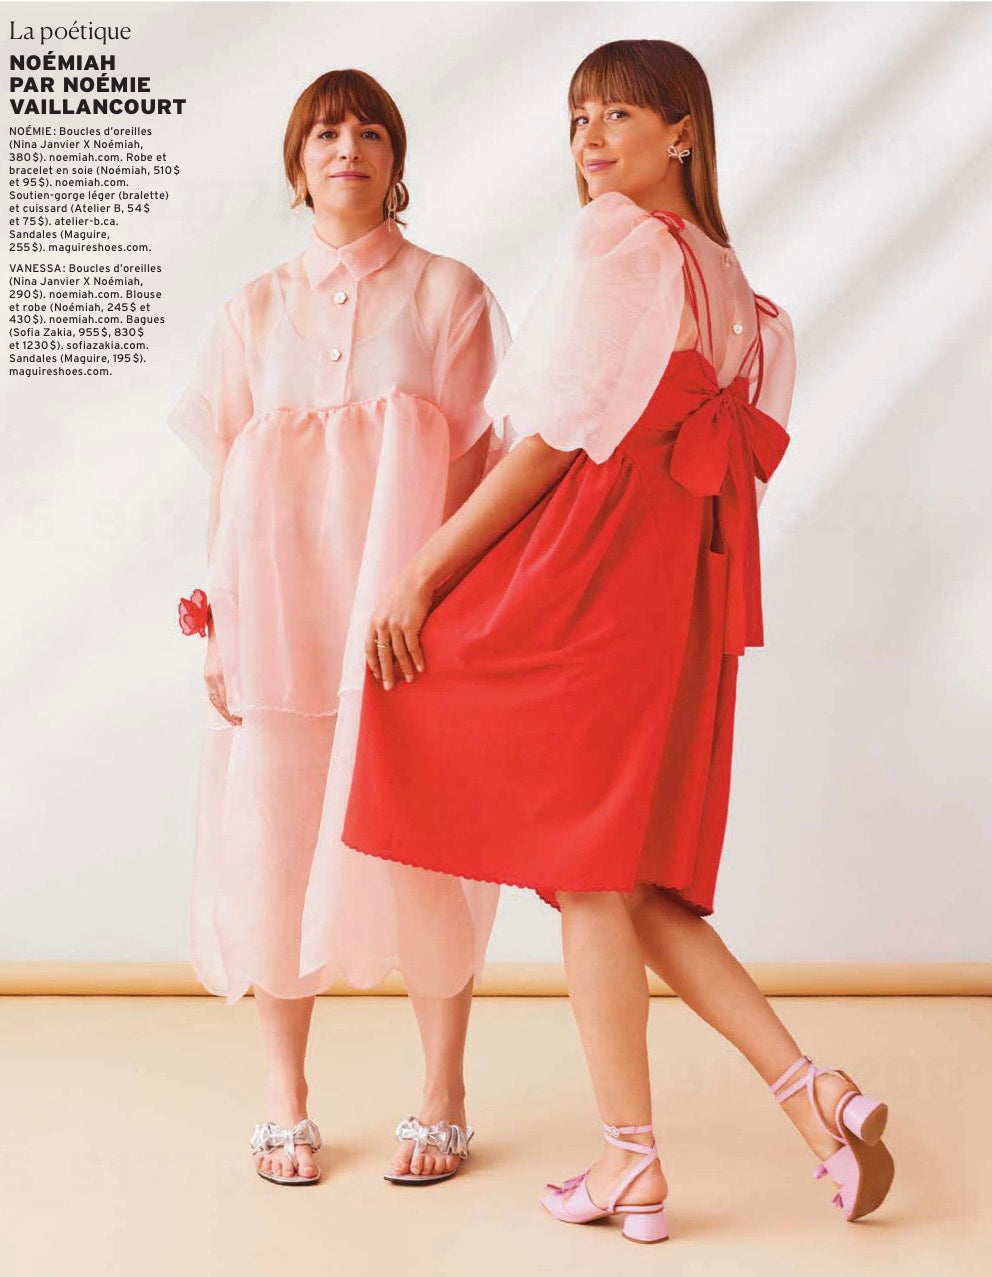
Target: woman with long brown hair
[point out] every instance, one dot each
(338, 407)
(595, 642)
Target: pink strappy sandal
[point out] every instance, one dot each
(862, 1168)
(571, 1203)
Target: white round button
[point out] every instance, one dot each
(340, 297)
(334, 354)
(738, 328)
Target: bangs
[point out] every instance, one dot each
(609, 75)
(341, 92)
(619, 72)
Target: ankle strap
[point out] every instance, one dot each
(611, 1133)
(649, 1152)
(807, 1082)
(796, 1086)
(627, 1130)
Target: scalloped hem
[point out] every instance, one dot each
(281, 709)
(703, 909)
(231, 997)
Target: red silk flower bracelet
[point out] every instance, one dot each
(194, 614)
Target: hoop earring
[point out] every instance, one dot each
(676, 154)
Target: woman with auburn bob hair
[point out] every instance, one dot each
(338, 407)
(595, 642)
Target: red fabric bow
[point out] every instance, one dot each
(722, 445)
(194, 613)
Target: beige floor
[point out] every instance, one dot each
(124, 1125)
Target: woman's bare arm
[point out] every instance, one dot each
(465, 473)
(510, 490)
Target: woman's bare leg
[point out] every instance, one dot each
(609, 994)
(442, 1022)
(285, 1024)
(697, 966)
(443, 1025)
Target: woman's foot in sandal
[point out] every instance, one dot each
(628, 1183)
(844, 1129)
(615, 1163)
(429, 1161)
(278, 1153)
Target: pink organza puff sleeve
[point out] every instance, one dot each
(218, 401)
(475, 340)
(774, 378)
(778, 366)
(597, 338)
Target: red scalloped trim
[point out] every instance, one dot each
(703, 910)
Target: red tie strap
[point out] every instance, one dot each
(722, 445)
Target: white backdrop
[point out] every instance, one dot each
(853, 146)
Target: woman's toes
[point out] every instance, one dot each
(401, 1162)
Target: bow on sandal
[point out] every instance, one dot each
(862, 1168)
(447, 1137)
(267, 1137)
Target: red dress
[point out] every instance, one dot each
(573, 728)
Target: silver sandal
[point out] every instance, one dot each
(267, 1137)
(448, 1138)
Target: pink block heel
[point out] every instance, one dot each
(570, 1202)
(649, 1227)
(862, 1168)
(865, 1117)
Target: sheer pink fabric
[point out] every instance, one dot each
(329, 401)
(595, 343)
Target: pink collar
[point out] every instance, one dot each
(360, 257)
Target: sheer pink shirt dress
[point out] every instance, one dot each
(331, 397)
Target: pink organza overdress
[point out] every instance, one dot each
(328, 403)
